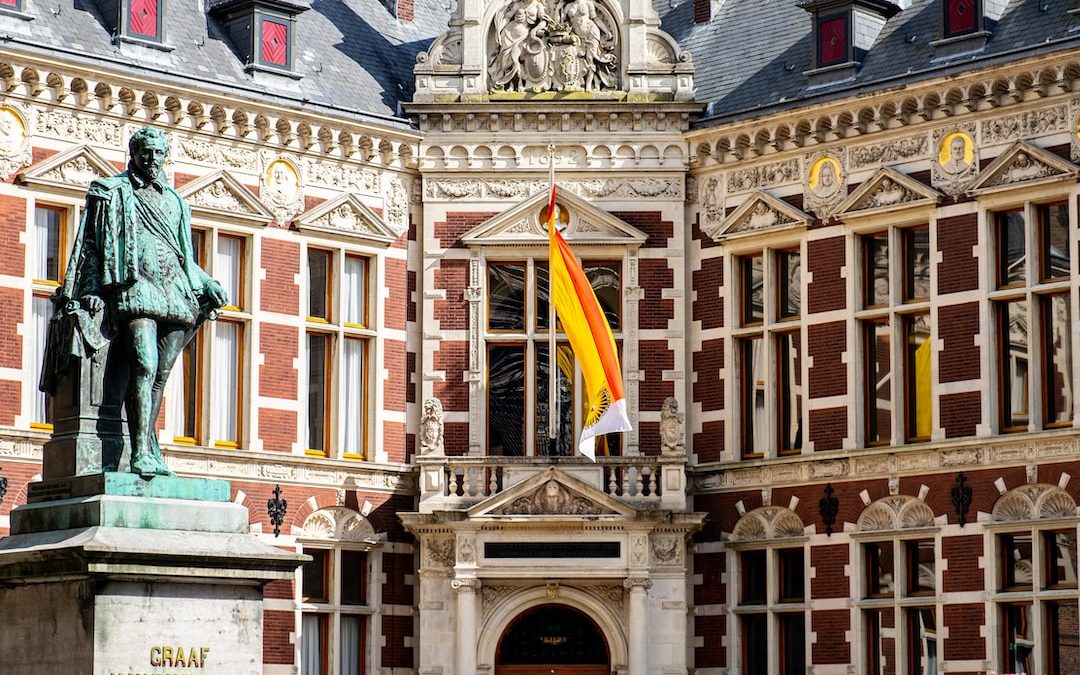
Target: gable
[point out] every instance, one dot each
(759, 214)
(1023, 163)
(221, 196)
(885, 191)
(586, 224)
(346, 216)
(551, 493)
(70, 171)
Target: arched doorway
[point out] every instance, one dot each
(552, 639)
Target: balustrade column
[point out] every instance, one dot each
(466, 624)
(638, 657)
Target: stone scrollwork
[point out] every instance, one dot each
(440, 552)
(552, 498)
(666, 549)
(557, 45)
(514, 188)
(431, 427)
(637, 582)
(466, 585)
(889, 152)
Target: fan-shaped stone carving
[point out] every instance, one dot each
(768, 522)
(1056, 503)
(338, 523)
(895, 512)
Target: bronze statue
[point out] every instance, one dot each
(132, 284)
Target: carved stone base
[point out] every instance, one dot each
(88, 423)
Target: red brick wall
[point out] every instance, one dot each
(828, 428)
(277, 429)
(651, 223)
(453, 312)
(831, 645)
(654, 311)
(453, 359)
(397, 383)
(456, 224)
(827, 291)
(281, 260)
(11, 308)
(829, 580)
(710, 442)
(960, 414)
(711, 567)
(711, 628)
(12, 223)
(826, 343)
(654, 357)
(397, 303)
(959, 268)
(397, 566)
(709, 387)
(964, 641)
(709, 306)
(277, 625)
(280, 346)
(957, 327)
(963, 572)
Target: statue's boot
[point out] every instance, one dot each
(144, 465)
(162, 469)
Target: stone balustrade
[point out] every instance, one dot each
(644, 482)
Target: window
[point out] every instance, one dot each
(833, 38)
(1032, 312)
(962, 17)
(1037, 606)
(335, 610)
(142, 19)
(898, 611)
(770, 610)
(217, 349)
(518, 362)
(47, 273)
(338, 341)
(896, 373)
(769, 351)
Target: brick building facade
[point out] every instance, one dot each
(838, 264)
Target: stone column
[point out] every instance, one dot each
(466, 624)
(638, 657)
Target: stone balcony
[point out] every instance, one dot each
(648, 483)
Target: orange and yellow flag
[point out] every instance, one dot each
(590, 337)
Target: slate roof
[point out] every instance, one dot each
(750, 57)
(354, 55)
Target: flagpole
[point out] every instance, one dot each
(553, 378)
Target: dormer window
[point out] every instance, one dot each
(961, 17)
(844, 30)
(833, 43)
(261, 31)
(143, 19)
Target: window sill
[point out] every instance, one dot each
(15, 14)
(959, 45)
(254, 68)
(141, 42)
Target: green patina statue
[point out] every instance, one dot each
(132, 286)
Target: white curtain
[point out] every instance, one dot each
(353, 395)
(228, 265)
(349, 647)
(174, 400)
(311, 643)
(42, 311)
(46, 236)
(355, 290)
(225, 382)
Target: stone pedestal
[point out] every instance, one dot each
(109, 573)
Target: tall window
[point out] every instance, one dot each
(49, 260)
(961, 16)
(1037, 605)
(769, 351)
(898, 607)
(338, 340)
(518, 361)
(335, 609)
(894, 297)
(770, 610)
(1032, 310)
(206, 397)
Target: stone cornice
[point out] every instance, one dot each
(128, 99)
(917, 460)
(242, 465)
(915, 106)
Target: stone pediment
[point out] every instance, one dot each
(551, 493)
(887, 190)
(340, 524)
(70, 171)
(759, 214)
(766, 523)
(1023, 163)
(583, 224)
(220, 195)
(347, 216)
(896, 512)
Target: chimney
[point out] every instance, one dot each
(404, 10)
